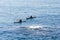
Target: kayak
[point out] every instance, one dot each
(31, 18)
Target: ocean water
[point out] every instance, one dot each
(46, 25)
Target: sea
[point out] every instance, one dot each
(46, 25)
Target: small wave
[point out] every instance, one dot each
(35, 27)
(9, 28)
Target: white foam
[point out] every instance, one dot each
(35, 27)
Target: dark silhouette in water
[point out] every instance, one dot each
(20, 21)
(31, 17)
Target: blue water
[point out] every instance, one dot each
(47, 16)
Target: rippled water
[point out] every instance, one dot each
(46, 25)
(50, 29)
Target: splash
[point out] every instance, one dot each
(35, 27)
